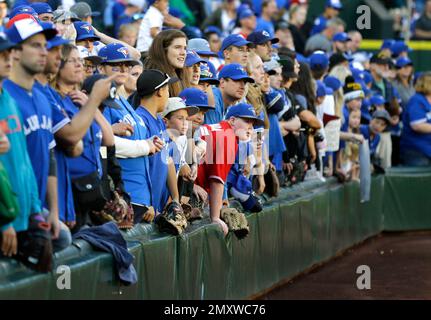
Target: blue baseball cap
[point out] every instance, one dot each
(22, 9)
(176, 13)
(322, 90)
(341, 37)
(84, 31)
(192, 32)
(403, 61)
(357, 74)
(41, 7)
(302, 58)
(336, 4)
(116, 52)
(245, 111)
(319, 60)
(319, 25)
(5, 43)
(207, 75)
(377, 100)
(234, 71)
(233, 40)
(260, 126)
(24, 26)
(56, 42)
(332, 82)
(192, 58)
(245, 13)
(201, 46)
(398, 47)
(387, 44)
(261, 37)
(213, 29)
(194, 97)
(242, 7)
(368, 78)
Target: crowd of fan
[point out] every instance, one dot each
(95, 128)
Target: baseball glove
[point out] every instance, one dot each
(172, 219)
(236, 222)
(272, 184)
(191, 213)
(116, 210)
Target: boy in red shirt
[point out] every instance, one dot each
(221, 149)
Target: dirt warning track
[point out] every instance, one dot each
(399, 265)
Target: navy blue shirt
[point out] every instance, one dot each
(418, 110)
(159, 161)
(37, 121)
(66, 208)
(216, 115)
(89, 161)
(373, 142)
(135, 171)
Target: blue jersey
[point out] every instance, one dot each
(276, 142)
(374, 142)
(418, 110)
(66, 207)
(216, 115)
(89, 161)
(37, 122)
(159, 161)
(135, 171)
(263, 25)
(17, 162)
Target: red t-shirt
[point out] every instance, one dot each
(222, 147)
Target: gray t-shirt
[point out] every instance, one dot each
(405, 92)
(318, 42)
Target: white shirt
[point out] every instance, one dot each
(153, 18)
(179, 155)
(327, 106)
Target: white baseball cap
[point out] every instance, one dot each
(85, 54)
(137, 3)
(177, 103)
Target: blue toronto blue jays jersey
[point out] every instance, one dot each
(159, 161)
(37, 122)
(418, 111)
(66, 206)
(135, 171)
(89, 161)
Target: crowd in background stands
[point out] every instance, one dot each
(194, 102)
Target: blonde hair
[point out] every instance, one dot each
(253, 93)
(339, 102)
(341, 73)
(127, 28)
(423, 84)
